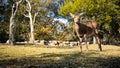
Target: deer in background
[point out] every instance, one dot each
(86, 29)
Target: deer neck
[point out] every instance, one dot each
(77, 25)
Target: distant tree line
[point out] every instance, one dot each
(34, 19)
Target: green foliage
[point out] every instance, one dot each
(43, 32)
(22, 32)
(50, 31)
(106, 12)
(4, 33)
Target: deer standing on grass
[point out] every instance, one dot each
(85, 29)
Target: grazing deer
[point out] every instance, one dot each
(85, 29)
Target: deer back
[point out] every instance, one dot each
(91, 23)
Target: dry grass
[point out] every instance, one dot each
(59, 57)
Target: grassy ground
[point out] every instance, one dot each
(20, 56)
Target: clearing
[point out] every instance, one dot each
(29, 56)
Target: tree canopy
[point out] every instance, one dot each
(106, 12)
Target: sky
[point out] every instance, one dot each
(61, 19)
(4, 1)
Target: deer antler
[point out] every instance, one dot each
(81, 14)
(72, 15)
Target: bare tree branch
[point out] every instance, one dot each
(15, 7)
(19, 1)
(26, 15)
(28, 5)
(35, 17)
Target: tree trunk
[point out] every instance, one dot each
(11, 31)
(32, 20)
(31, 40)
(12, 23)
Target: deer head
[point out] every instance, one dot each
(76, 17)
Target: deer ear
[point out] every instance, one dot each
(81, 14)
(72, 15)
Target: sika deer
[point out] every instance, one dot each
(85, 29)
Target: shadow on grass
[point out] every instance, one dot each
(52, 60)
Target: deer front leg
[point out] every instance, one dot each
(85, 37)
(98, 40)
(80, 44)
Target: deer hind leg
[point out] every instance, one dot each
(85, 38)
(98, 40)
(80, 43)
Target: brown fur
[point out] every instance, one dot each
(86, 29)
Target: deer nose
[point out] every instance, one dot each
(76, 21)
